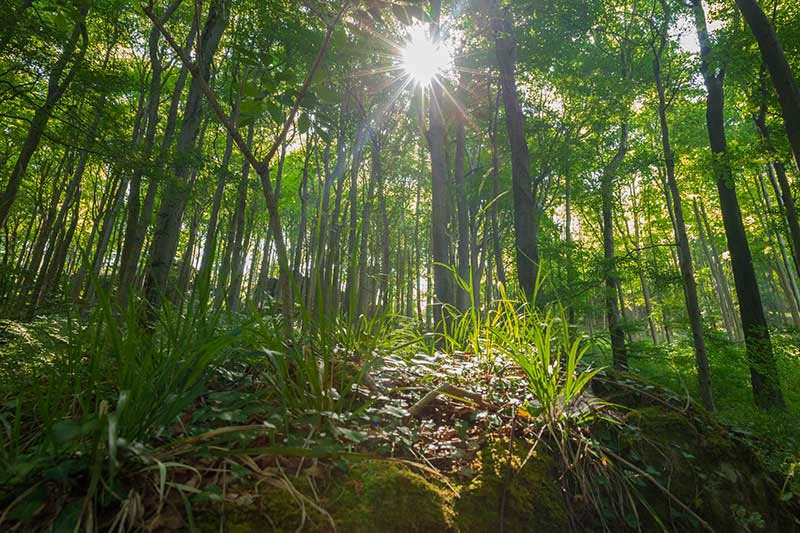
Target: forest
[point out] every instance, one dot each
(399, 265)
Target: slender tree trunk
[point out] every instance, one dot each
(763, 370)
(525, 212)
(352, 239)
(363, 292)
(210, 242)
(648, 305)
(618, 349)
(168, 224)
(784, 268)
(779, 69)
(681, 238)
(570, 290)
(139, 217)
(497, 242)
(777, 172)
(418, 249)
(440, 238)
(718, 277)
(186, 265)
(302, 193)
(318, 274)
(56, 86)
(239, 249)
(463, 264)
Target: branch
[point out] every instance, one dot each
(452, 391)
(307, 83)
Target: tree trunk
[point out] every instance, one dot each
(168, 224)
(352, 239)
(210, 242)
(237, 264)
(440, 238)
(525, 225)
(497, 242)
(718, 277)
(779, 69)
(463, 265)
(56, 86)
(777, 172)
(362, 292)
(763, 371)
(618, 349)
(681, 238)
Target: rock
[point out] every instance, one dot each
(689, 453)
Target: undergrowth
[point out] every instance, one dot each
(104, 417)
(111, 421)
(773, 435)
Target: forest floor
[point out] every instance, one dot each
(384, 437)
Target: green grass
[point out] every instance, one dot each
(109, 407)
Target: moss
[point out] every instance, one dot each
(364, 497)
(390, 497)
(533, 499)
(387, 496)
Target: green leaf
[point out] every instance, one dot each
(251, 91)
(353, 435)
(66, 430)
(251, 107)
(29, 506)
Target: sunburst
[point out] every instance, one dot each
(424, 58)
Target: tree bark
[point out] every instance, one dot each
(525, 215)
(779, 69)
(681, 238)
(763, 371)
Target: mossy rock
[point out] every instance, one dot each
(532, 501)
(389, 496)
(690, 454)
(365, 497)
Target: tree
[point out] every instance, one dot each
(763, 372)
(525, 216)
(782, 77)
(681, 237)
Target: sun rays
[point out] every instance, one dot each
(425, 58)
(418, 65)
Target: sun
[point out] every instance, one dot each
(424, 59)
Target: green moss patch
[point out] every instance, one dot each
(390, 497)
(530, 498)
